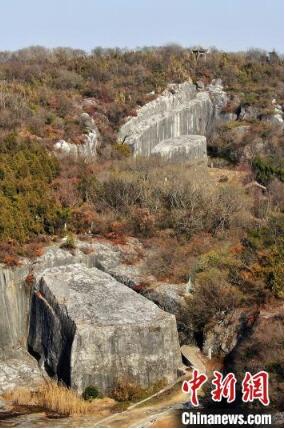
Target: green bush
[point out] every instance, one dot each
(91, 392)
(265, 170)
(28, 207)
(69, 242)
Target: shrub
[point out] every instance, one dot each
(51, 397)
(127, 390)
(27, 206)
(213, 298)
(11, 260)
(69, 243)
(263, 349)
(91, 392)
(122, 150)
(265, 170)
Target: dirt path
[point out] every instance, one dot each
(150, 411)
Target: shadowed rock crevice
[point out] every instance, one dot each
(51, 329)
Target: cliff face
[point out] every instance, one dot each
(14, 305)
(180, 111)
(182, 149)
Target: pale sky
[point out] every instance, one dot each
(227, 24)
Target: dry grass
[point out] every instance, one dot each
(234, 177)
(58, 399)
(20, 396)
(61, 400)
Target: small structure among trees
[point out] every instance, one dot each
(273, 57)
(200, 53)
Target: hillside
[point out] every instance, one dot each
(215, 226)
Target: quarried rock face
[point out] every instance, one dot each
(181, 110)
(189, 148)
(88, 329)
(173, 299)
(14, 309)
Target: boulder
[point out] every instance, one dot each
(190, 148)
(237, 134)
(181, 110)
(123, 262)
(86, 328)
(248, 113)
(193, 357)
(200, 85)
(275, 119)
(220, 339)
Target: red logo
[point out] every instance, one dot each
(225, 387)
(192, 386)
(255, 387)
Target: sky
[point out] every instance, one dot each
(230, 25)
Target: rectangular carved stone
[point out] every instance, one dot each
(89, 329)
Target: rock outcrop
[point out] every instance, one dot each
(222, 338)
(182, 149)
(173, 299)
(181, 110)
(115, 333)
(14, 309)
(86, 150)
(19, 370)
(88, 329)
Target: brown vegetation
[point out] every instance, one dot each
(58, 399)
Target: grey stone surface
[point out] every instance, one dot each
(218, 96)
(87, 328)
(248, 113)
(15, 294)
(113, 259)
(179, 110)
(189, 148)
(275, 119)
(169, 296)
(14, 309)
(220, 339)
(228, 116)
(88, 149)
(19, 370)
(173, 299)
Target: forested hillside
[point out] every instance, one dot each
(226, 235)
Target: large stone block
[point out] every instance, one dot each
(86, 328)
(191, 148)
